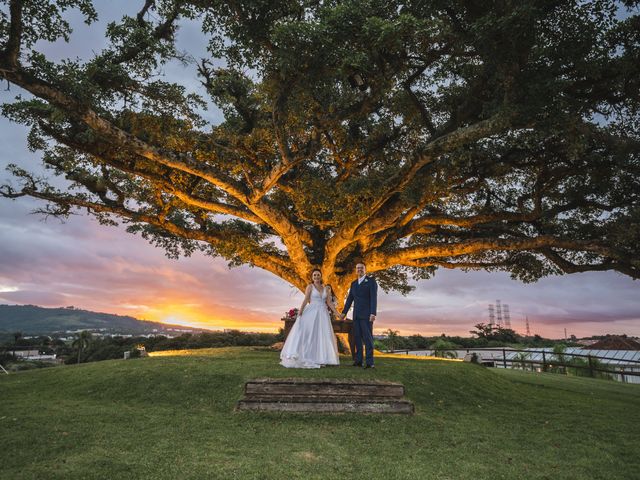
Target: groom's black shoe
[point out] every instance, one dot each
(356, 364)
(369, 366)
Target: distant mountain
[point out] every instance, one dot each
(34, 320)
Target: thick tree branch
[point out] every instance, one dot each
(11, 54)
(455, 265)
(438, 220)
(286, 163)
(569, 267)
(424, 114)
(382, 260)
(118, 136)
(428, 154)
(294, 237)
(268, 261)
(103, 152)
(434, 150)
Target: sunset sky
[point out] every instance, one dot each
(100, 268)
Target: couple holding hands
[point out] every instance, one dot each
(311, 342)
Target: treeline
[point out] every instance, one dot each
(107, 348)
(87, 348)
(419, 342)
(228, 338)
(484, 337)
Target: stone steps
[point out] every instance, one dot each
(324, 395)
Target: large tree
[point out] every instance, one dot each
(497, 135)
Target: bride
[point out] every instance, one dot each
(311, 342)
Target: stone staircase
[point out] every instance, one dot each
(324, 396)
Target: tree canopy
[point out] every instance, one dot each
(414, 135)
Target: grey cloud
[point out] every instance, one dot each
(33, 297)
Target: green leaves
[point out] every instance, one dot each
(44, 19)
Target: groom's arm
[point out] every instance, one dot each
(373, 290)
(347, 305)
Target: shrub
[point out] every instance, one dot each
(442, 348)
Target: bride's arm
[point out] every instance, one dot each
(307, 297)
(330, 303)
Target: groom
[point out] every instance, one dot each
(364, 291)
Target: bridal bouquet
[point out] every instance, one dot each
(291, 314)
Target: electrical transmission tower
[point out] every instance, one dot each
(492, 318)
(527, 326)
(498, 313)
(507, 316)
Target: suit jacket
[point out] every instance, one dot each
(365, 297)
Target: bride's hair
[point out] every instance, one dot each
(333, 295)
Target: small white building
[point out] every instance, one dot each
(32, 355)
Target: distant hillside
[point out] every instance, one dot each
(30, 320)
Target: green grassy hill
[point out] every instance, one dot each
(34, 320)
(172, 417)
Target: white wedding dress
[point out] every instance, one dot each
(311, 342)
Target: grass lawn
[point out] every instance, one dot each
(172, 417)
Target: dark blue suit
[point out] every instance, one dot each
(365, 297)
